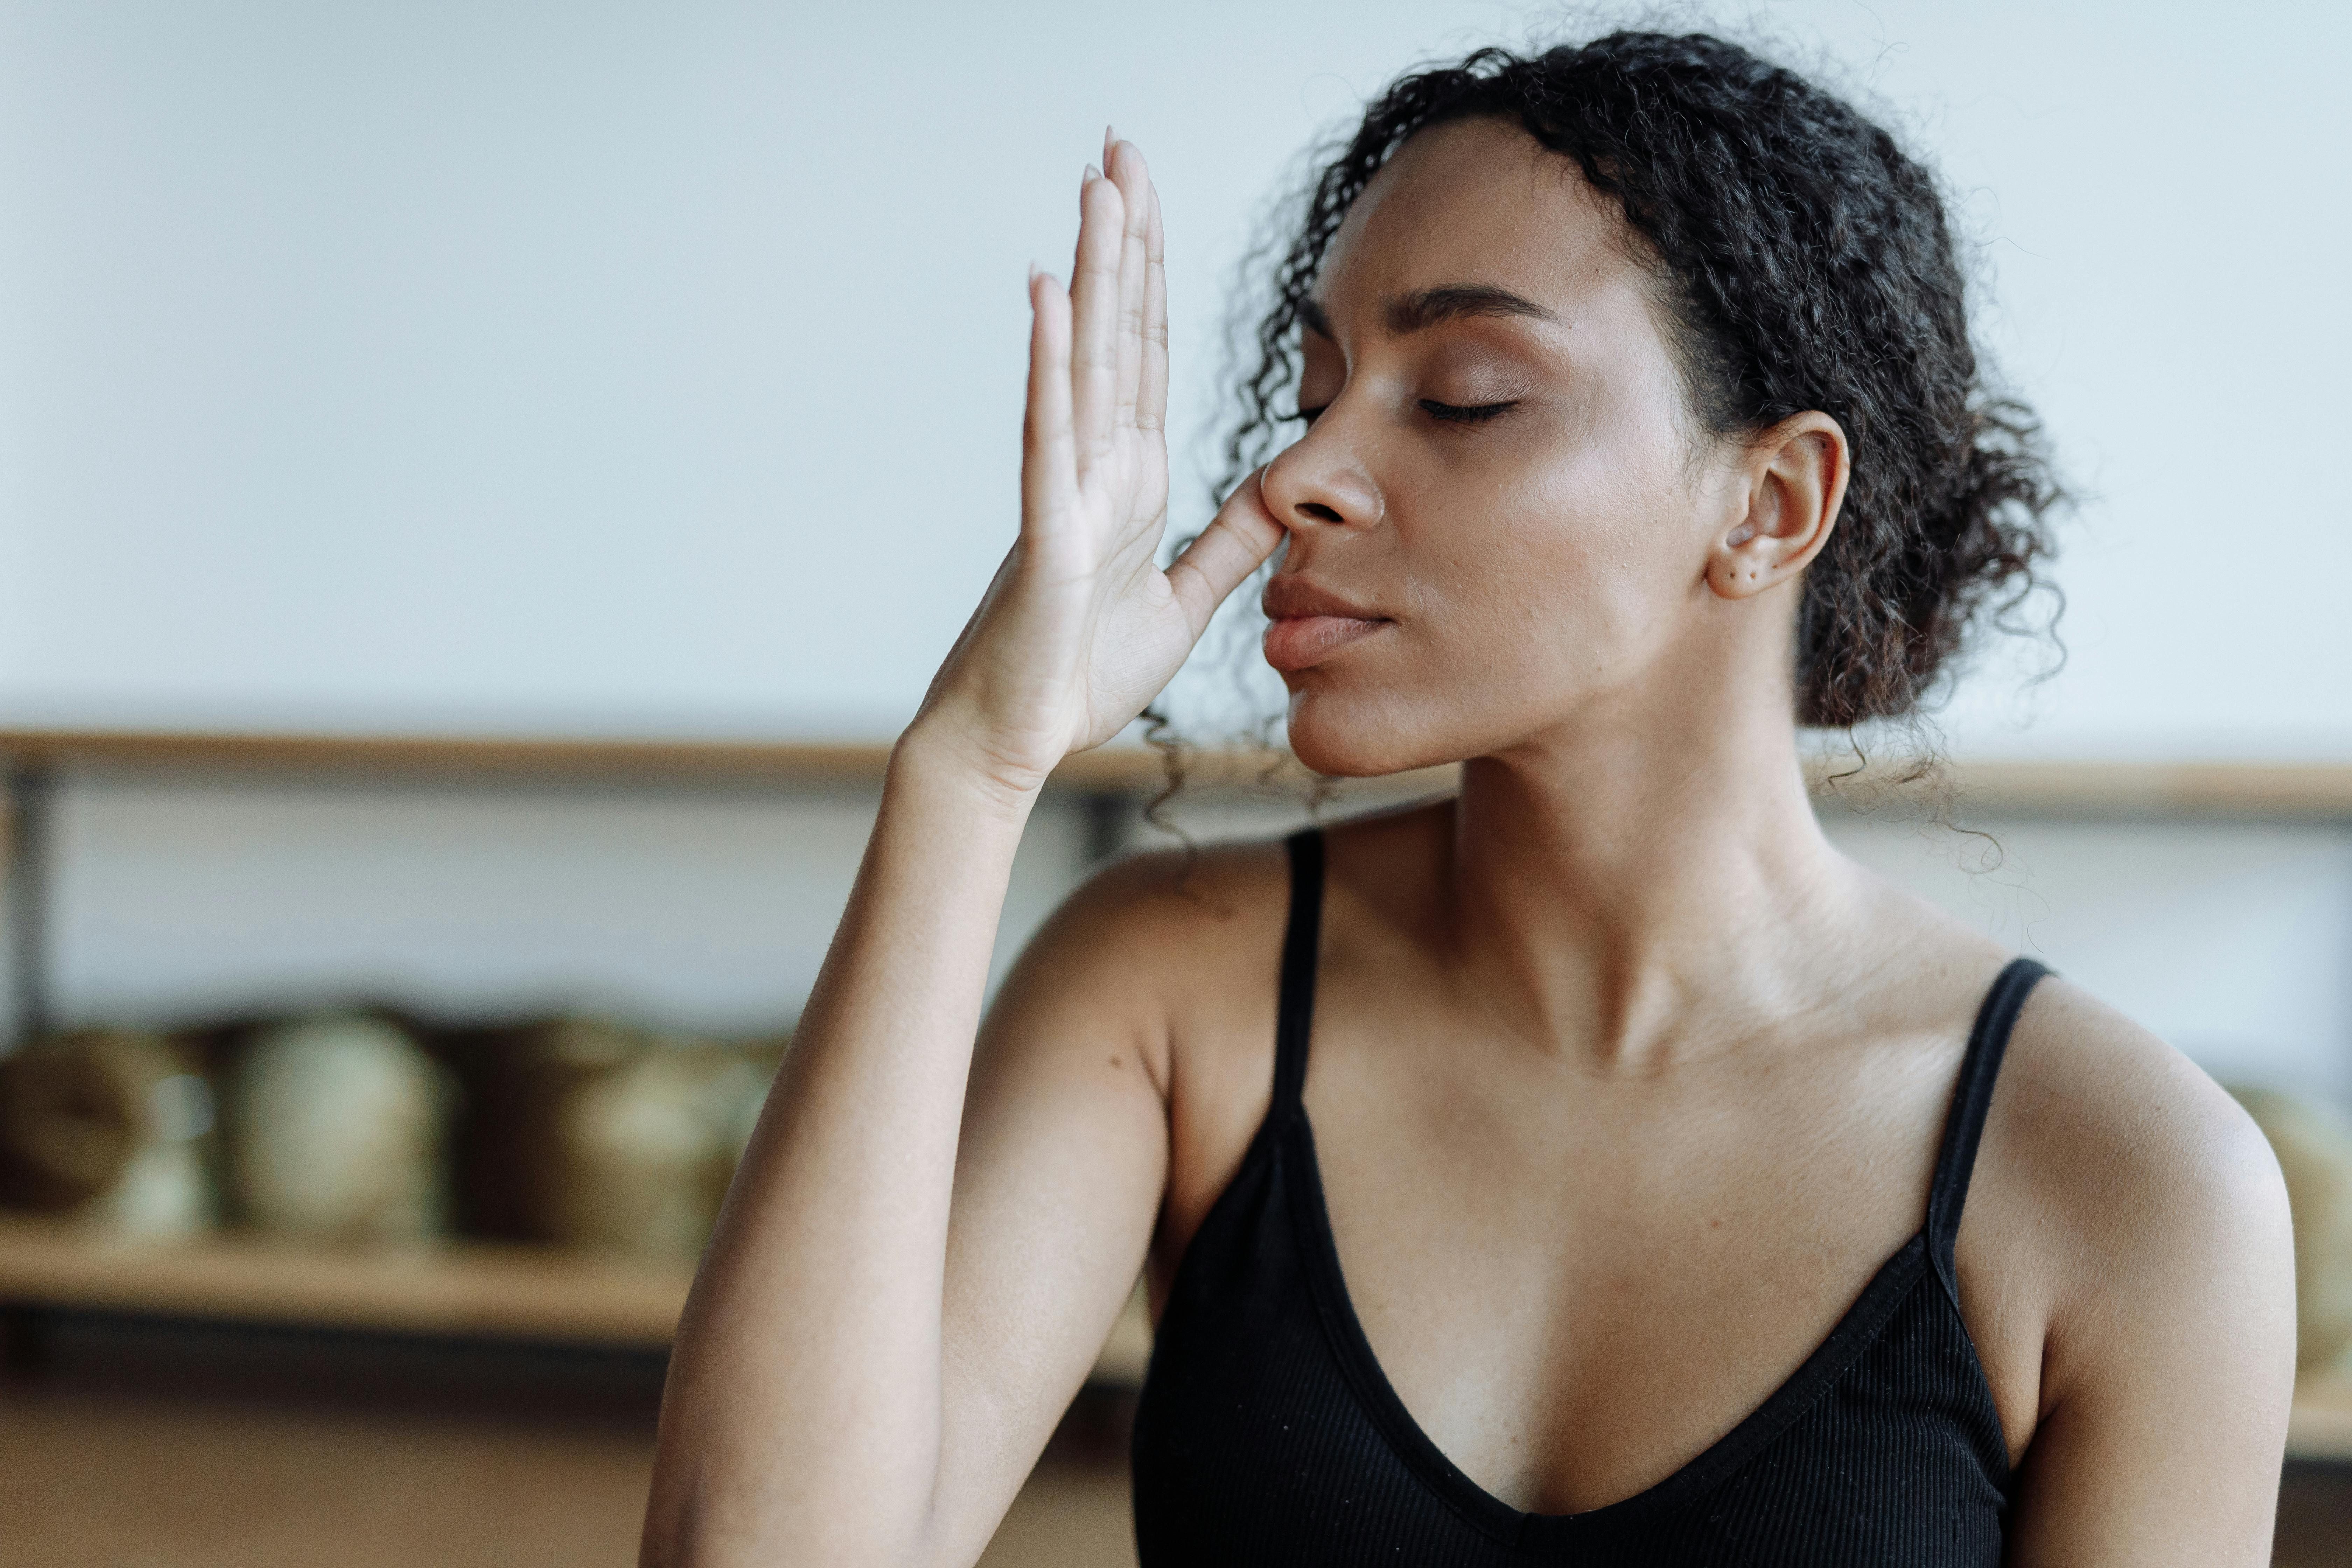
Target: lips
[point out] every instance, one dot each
(1311, 623)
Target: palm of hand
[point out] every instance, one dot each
(1081, 627)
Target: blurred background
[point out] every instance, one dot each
(480, 485)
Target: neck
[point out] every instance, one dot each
(1614, 877)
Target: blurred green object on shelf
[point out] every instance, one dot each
(594, 1134)
(113, 1127)
(338, 1130)
(369, 1127)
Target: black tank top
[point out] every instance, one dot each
(1268, 1433)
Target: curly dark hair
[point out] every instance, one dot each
(1803, 263)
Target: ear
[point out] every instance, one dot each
(1792, 480)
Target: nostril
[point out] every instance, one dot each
(1319, 512)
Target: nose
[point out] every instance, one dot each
(1319, 482)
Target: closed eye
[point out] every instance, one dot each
(1464, 414)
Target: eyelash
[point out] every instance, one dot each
(1461, 413)
(1450, 412)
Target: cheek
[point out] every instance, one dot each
(1565, 571)
(1531, 580)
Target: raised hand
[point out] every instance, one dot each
(1081, 627)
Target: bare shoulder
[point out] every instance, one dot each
(1147, 945)
(1164, 911)
(2148, 1202)
(2125, 1137)
(2106, 1125)
(1193, 937)
(2141, 1260)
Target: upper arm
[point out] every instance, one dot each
(1059, 1170)
(2168, 1361)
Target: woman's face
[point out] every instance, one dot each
(1500, 517)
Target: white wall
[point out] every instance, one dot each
(600, 368)
(2233, 940)
(703, 908)
(644, 369)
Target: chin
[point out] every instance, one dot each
(1347, 736)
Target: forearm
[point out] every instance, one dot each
(803, 1415)
(804, 1418)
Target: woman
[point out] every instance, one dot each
(1596, 1167)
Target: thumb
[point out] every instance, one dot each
(1234, 545)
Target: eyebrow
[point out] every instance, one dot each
(1425, 308)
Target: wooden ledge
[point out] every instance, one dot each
(1123, 768)
(457, 1289)
(462, 1291)
(2111, 790)
(474, 1290)
(2089, 790)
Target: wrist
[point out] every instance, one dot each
(932, 757)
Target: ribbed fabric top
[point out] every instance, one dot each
(1269, 1434)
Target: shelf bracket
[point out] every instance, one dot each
(30, 787)
(1107, 815)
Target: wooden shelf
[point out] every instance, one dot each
(539, 1294)
(455, 1290)
(477, 1290)
(2123, 791)
(2254, 791)
(461, 1290)
(486, 757)
(1109, 770)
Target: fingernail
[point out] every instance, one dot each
(1092, 173)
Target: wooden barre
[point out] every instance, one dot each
(2250, 790)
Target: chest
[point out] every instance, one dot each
(1576, 1283)
(1269, 1432)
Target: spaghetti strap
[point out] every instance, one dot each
(1970, 1099)
(1267, 1431)
(1301, 943)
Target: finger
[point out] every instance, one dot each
(1094, 301)
(1151, 405)
(1236, 544)
(1049, 480)
(1134, 182)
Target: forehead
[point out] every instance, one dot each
(1482, 202)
